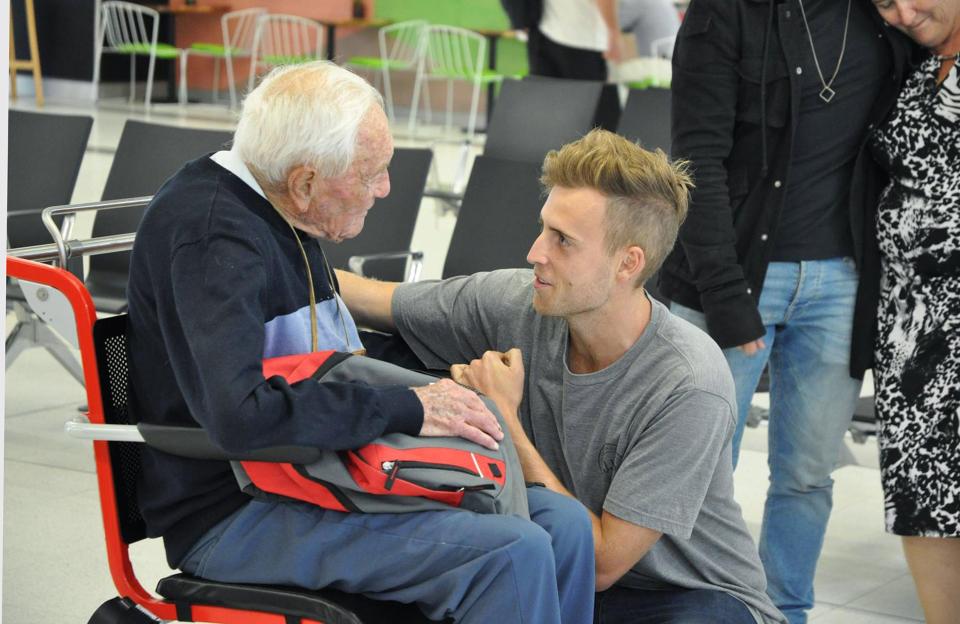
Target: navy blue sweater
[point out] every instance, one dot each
(217, 283)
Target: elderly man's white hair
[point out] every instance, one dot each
(307, 114)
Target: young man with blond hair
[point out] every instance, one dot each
(623, 406)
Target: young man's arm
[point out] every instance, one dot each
(368, 300)
(618, 544)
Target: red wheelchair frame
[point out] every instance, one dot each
(186, 598)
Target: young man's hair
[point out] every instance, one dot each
(647, 195)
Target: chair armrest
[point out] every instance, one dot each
(413, 271)
(189, 442)
(64, 247)
(26, 212)
(451, 199)
(83, 429)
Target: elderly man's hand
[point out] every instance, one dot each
(497, 375)
(451, 410)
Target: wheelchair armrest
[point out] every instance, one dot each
(189, 442)
(413, 271)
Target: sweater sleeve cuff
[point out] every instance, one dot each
(734, 320)
(404, 411)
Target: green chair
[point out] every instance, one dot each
(238, 29)
(127, 28)
(284, 40)
(401, 45)
(453, 54)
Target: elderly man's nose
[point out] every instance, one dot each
(383, 187)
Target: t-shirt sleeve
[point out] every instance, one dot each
(456, 320)
(664, 477)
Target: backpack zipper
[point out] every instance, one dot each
(393, 467)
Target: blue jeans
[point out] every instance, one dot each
(807, 308)
(619, 605)
(472, 567)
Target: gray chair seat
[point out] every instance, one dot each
(535, 115)
(498, 219)
(49, 148)
(390, 224)
(147, 155)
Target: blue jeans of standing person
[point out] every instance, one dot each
(621, 605)
(472, 567)
(807, 308)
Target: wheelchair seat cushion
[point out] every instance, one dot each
(328, 605)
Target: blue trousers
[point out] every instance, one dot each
(807, 308)
(619, 605)
(472, 567)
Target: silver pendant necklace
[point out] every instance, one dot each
(826, 94)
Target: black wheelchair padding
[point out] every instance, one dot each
(328, 606)
(110, 343)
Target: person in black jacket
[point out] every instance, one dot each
(225, 272)
(772, 104)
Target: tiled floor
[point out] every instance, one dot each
(54, 562)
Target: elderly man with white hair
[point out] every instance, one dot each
(225, 273)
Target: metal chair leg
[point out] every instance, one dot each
(216, 80)
(230, 83)
(182, 91)
(17, 343)
(133, 77)
(30, 332)
(56, 347)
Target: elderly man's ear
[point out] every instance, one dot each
(303, 182)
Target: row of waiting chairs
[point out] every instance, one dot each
(535, 115)
(431, 52)
(51, 148)
(267, 40)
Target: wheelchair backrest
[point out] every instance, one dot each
(110, 343)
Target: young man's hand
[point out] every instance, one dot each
(497, 375)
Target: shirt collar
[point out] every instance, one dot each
(231, 161)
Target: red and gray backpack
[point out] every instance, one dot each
(395, 473)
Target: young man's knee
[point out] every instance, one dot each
(568, 521)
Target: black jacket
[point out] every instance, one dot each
(734, 117)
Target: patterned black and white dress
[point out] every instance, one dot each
(917, 373)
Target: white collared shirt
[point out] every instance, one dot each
(231, 161)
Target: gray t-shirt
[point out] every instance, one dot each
(646, 439)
